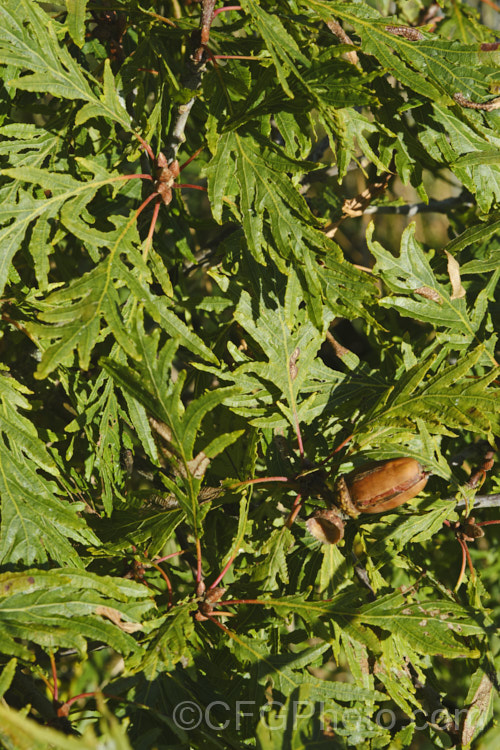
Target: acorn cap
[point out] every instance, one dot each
(327, 526)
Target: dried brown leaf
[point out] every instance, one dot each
(116, 618)
(454, 274)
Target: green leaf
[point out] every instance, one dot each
(446, 400)
(263, 188)
(432, 627)
(36, 522)
(451, 139)
(480, 700)
(63, 608)
(149, 528)
(76, 311)
(17, 730)
(29, 41)
(172, 642)
(7, 675)
(433, 67)
(283, 48)
(148, 386)
(275, 549)
(474, 234)
(167, 363)
(75, 20)
(427, 299)
(110, 104)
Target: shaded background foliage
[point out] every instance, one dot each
(154, 360)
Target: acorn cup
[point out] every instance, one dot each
(327, 526)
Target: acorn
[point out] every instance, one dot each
(379, 486)
(374, 487)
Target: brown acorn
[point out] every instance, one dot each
(379, 486)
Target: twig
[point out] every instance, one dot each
(339, 32)
(491, 4)
(464, 200)
(191, 79)
(357, 206)
(340, 351)
(325, 173)
(207, 16)
(480, 501)
(434, 206)
(177, 137)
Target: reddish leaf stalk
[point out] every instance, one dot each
(464, 562)
(469, 560)
(188, 161)
(168, 557)
(199, 571)
(144, 204)
(187, 185)
(153, 220)
(219, 625)
(465, 558)
(227, 8)
(149, 238)
(261, 480)
(64, 709)
(235, 57)
(19, 327)
(223, 571)
(134, 177)
(295, 511)
(337, 449)
(167, 581)
(147, 148)
(298, 433)
(491, 4)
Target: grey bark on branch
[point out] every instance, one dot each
(193, 74)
